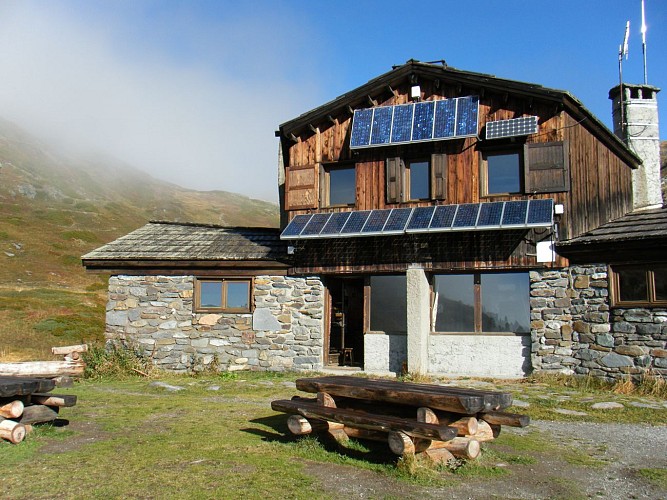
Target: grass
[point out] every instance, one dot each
(656, 476)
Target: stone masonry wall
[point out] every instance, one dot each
(574, 330)
(154, 314)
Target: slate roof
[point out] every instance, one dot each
(643, 232)
(170, 241)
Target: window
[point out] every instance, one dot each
(418, 180)
(389, 304)
(338, 185)
(222, 295)
(482, 303)
(637, 285)
(501, 172)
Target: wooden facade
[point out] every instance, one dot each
(593, 182)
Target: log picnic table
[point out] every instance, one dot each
(437, 422)
(25, 401)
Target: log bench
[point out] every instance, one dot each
(432, 421)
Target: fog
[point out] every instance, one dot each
(188, 99)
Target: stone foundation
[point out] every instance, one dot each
(154, 314)
(574, 330)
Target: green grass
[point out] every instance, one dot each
(656, 476)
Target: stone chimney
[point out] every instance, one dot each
(638, 128)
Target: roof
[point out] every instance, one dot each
(160, 241)
(642, 233)
(359, 98)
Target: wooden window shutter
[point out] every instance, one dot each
(547, 167)
(439, 176)
(301, 187)
(394, 173)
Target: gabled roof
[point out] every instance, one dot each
(621, 239)
(198, 244)
(360, 98)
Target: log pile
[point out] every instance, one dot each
(25, 402)
(71, 366)
(433, 422)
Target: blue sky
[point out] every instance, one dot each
(192, 91)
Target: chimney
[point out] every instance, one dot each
(635, 116)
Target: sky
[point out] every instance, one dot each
(192, 91)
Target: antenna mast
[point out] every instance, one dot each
(643, 30)
(623, 51)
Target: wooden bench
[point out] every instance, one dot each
(438, 422)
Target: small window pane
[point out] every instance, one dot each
(455, 303)
(389, 302)
(632, 285)
(210, 294)
(342, 186)
(502, 172)
(505, 306)
(237, 294)
(420, 188)
(660, 279)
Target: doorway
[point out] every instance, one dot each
(345, 333)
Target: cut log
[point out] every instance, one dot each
(338, 435)
(53, 399)
(42, 369)
(400, 443)
(427, 415)
(485, 431)
(363, 420)
(12, 431)
(437, 456)
(465, 425)
(502, 418)
(325, 399)
(300, 426)
(355, 433)
(11, 410)
(36, 414)
(67, 349)
(462, 447)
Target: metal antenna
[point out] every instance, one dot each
(623, 51)
(643, 30)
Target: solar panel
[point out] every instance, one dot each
(421, 218)
(414, 122)
(402, 127)
(295, 226)
(355, 223)
(335, 224)
(423, 125)
(466, 216)
(466, 116)
(381, 132)
(515, 213)
(361, 128)
(445, 118)
(490, 214)
(376, 221)
(525, 125)
(397, 221)
(315, 225)
(540, 212)
(443, 216)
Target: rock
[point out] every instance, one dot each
(563, 411)
(605, 340)
(630, 350)
(645, 405)
(608, 405)
(165, 386)
(614, 360)
(213, 388)
(520, 404)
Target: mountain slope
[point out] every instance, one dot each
(55, 206)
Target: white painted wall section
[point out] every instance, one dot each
(384, 353)
(419, 325)
(497, 356)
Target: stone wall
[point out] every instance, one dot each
(574, 330)
(154, 314)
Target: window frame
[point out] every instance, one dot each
(223, 299)
(478, 306)
(407, 179)
(484, 169)
(325, 183)
(649, 272)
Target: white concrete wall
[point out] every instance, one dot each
(419, 325)
(497, 356)
(384, 353)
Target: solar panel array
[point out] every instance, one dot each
(463, 217)
(415, 122)
(511, 128)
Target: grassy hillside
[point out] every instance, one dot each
(56, 206)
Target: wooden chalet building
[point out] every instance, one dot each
(422, 220)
